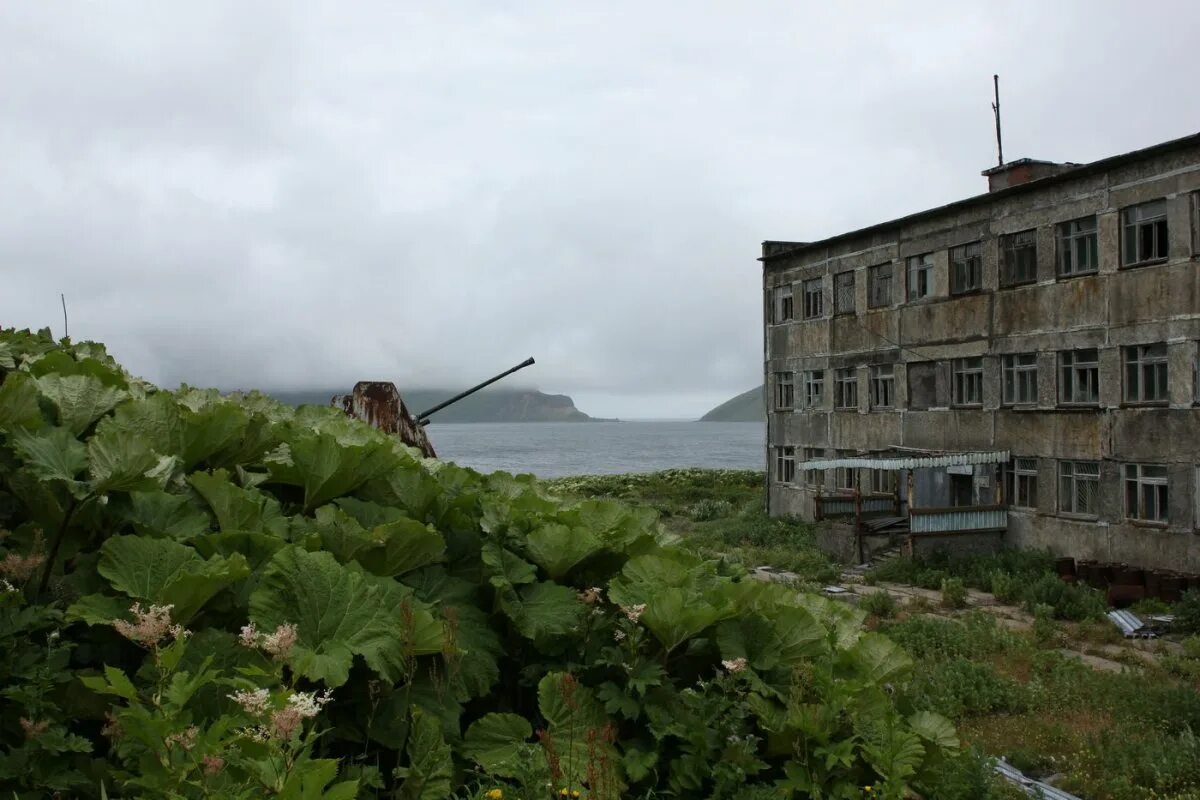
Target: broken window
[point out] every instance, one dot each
(814, 477)
(920, 276)
(882, 385)
(845, 388)
(782, 303)
(922, 384)
(845, 477)
(1079, 487)
(814, 388)
(814, 299)
(968, 381)
(1020, 379)
(1079, 377)
(966, 268)
(1146, 373)
(1078, 249)
(1144, 233)
(1021, 482)
(1018, 258)
(785, 464)
(785, 391)
(1146, 492)
(843, 293)
(879, 286)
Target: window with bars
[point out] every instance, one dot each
(814, 388)
(814, 299)
(814, 477)
(920, 276)
(1020, 379)
(845, 478)
(882, 385)
(1021, 482)
(966, 268)
(785, 464)
(1018, 258)
(845, 388)
(781, 303)
(785, 391)
(843, 293)
(1146, 373)
(1078, 247)
(879, 286)
(967, 381)
(1146, 492)
(1079, 377)
(1079, 487)
(1144, 233)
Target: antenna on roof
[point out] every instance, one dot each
(996, 110)
(66, 330)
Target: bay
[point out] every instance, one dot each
(557, 449)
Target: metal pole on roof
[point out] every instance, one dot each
(996, 110)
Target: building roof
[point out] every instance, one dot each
(1072, 173)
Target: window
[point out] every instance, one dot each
(1146, 373)
(882, 384)
(814, 477)
(1144, 233)
(884, 481)
(879, 286)
(1079, 377)
(923, 385)
(843, 293)
(814, 388)
(785, 391)
(845, 388)
(968, 381)
(920, 276)
(1146, 492)
(1079, 487)
(782, 303)
(845, 477)
(1021, 482)
(1078, 251)
(966, 268)
(1020, 379)
(1018, 258)
(814, 298)
(785, 464)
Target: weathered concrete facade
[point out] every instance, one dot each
(1136, 304)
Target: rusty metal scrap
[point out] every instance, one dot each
(378, 403)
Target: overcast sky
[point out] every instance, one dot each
(304, 194)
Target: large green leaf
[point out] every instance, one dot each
(390, 548)
(340, 611)
(238, 509)
(576, 723)
(477, 666)
(844, 621)
(159, 513)
(430, 766)
(164, 572)
(504, 568)
(557, 548)
(496, 742)
(79, 399)
(548, 609)
(122, 462)
(642, 577)
(876, 659)
(328, 467)
(19, 403)
(52, 453)
(788, 637)
(676, 615)
(934, 728)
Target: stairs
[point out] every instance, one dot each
(856, 572)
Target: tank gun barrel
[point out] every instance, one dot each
(423, 417)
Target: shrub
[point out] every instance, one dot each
(1070, 601)
(1187, 612)
(1006, 587)
(879, 604)
(962, 688)
(707, 509)
(1045, 631)
(954, 594)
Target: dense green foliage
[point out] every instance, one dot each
(223, 596)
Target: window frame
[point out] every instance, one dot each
(785, 391)
(785, 464)
(1133, 477)
(1135, 364)
(813, 477)
(845, 377)
(814, 384)
(806, 292)
(1022, 472)
(840, 293)
(920, 266)
(874, 294)
(1069, 478)
(1009, 249)
(845, 479)
(1011, 374)
(877, 379)
(1075, 369)
(965, 372)
(781, 297)
(970, 256)
(1066, 239)
(1162, 237)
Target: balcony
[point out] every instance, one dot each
(958, 519)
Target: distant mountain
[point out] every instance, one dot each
(489, 405)
(746, 407)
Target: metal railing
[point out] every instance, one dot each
(958, 518)
(854, 504)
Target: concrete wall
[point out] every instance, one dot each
(1109, 310)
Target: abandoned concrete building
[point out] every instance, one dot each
(1016, 369)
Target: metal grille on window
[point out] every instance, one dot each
(879, 286)
(1079, 487)
(1146, 373)
(1018, 258)
(843, 293)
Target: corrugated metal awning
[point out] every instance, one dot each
(907, 461)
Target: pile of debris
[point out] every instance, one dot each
(1125, 585)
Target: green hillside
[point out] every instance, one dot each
(746, 407)
(490, 405)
